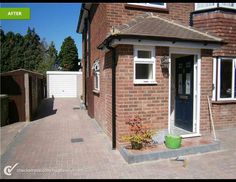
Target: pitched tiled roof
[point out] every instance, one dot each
(147, 25)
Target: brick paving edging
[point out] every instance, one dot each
(17, 139)
(149, 156)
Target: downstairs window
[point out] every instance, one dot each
(226, 79)
(144, 65)
(96, 71)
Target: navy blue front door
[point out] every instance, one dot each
(184, 93)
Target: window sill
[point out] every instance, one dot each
(96, 91)
(224, 102)
(145, 83)
(133, 6)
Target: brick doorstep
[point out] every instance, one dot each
(141, 156)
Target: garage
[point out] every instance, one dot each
(64, 84)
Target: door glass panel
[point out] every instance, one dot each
(226, 79)
(180, 84)
(180, 66)
(188, 65)
(188, 83)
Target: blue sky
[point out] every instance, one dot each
(52, 21)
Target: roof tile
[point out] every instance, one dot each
(149, 25)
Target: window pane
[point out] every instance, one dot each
(144, 54)
(161, 4)
(96, 80)
(204, 5)
(144, 71)
(226, 79)
(227, 4)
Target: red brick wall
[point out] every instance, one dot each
(118, 13)
(206, 89)
(97, 102)
(224, 115)
(150, 102)
(106, 78)
(222, 25)
(105, 15)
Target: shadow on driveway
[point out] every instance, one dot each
(45, 109)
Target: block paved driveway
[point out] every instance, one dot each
(45, 148)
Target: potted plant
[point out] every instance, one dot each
(139, 136)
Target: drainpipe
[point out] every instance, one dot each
(113, 96)
(87, 58)
(191, 19)
(85, 66)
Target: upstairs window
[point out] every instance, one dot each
(202, 6)
(144, 65)
(155, 5)
(228, 5)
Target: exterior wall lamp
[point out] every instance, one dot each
(165, 62)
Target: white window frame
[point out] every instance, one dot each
(151, 60)
(225, 6)
(96, 74)
(233, 80)
(150, 5)
(206, 7)
(213, 6)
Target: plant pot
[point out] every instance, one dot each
(136, 145)
(173, 141)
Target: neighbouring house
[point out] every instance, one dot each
(159, 61)
(25, 90)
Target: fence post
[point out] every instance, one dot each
(27, 104)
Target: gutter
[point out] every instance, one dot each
(80, 17)
(191, 19)
(157, 38)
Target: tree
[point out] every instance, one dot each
(34, 51)
(7, 46)
(47, 64)
(68, 55)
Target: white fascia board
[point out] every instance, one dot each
(63, 72)
(85, 15)
(196, 45)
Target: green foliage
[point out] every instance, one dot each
(34, 51)
(137, 132)
(26, 52)
(47, 64)
(68, 55)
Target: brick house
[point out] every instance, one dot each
(159, 61)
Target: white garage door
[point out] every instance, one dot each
(62, 84)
